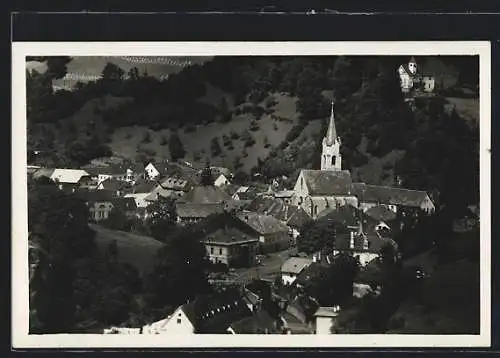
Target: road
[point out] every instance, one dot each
(269, 268)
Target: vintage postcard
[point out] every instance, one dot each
(284, 194)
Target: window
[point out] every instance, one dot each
(179, 320)
(212, 250)
(220, 251)
(301, 183)
(333, 159)
(315, 209)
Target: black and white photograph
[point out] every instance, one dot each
(337, 193)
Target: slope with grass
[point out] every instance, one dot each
(129, 141)
(139, 251)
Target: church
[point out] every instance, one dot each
(332, 187)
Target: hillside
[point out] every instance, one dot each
(467, 108)
(139, 251)
(129, 141)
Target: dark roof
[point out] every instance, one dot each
(190, 210)
(175, 183)
(327, 182)
(381, 212)
(295, 264)
(259, 322)
(144, 186)
(346, 215)
(216, 312)
(94, 196)
(208, 194)
(230, 189)
(114, 184)
(250, 194)
(229, 235)
(262, 224)
(126, 204)
(43, 172)
(389, 195)
(298, 218)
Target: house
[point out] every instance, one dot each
(231, 246)
(69, 179)
(126, 205)
(140, 199)
(99, 203)
(220, 180)
(293, 267)
(391, 197)
(325, 319)
(144, 186)
(209, 314)
(32, 168)
(119, 187)
(221, 176)
(285, 195)
(260, 322)
(156, 170)
(200, 202)
(129, 173)
(42, 173)
(317, 190)
(414, 79)
(170, 187)
(273, 234)
(293, 216)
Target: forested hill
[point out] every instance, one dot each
(282, 100)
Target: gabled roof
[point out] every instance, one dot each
(69, 176)
(114, 184)
(208, 194)
(259, 322)
(230, 189)
(229, 235)
(381, 212)
(125, 203)
(43, 172)
(389, 195)
(298, 218)
(310, 272)
(262, 224)
(375, 242)
(346, 215)
(144, 186)
(327, 182)
(190, 210)
(95, 196)
(295, 265)
(331, 134)
(216, 312)
(174, 183)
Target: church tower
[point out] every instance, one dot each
(330, 157)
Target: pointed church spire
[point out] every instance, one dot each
(331, 135)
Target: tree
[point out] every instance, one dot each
(334, 286)
(112, 72)
(161, 217)
(176, 147)
(215, 147)
(58, 221)
(182, 260)
(317, 236)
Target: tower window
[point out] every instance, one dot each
(333, 159)
(301, 183)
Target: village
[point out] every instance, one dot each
(261, 244)
(270, 245)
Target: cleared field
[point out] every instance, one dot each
(139, 251)
(89, 68)
(126, 140)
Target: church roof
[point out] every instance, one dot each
(331, 134)
(327, 182)
(389, 195)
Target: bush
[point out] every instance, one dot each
(234, 135)
(215, 147)
(128, 135)
(189, 128)
(275, 126)
(147, 137)
(254, 126)
(163, 141)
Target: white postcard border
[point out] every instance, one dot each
(20, 291)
